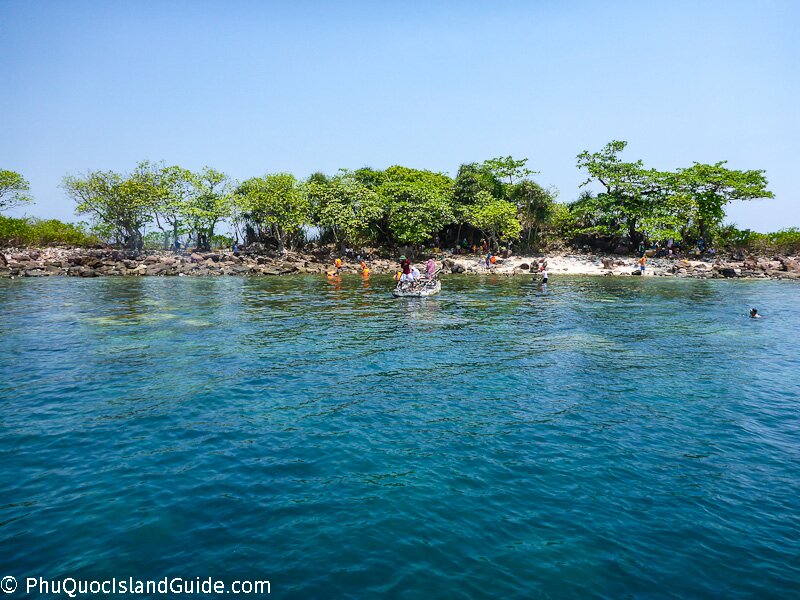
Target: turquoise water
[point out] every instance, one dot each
(607, 438)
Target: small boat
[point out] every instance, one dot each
(425, 287)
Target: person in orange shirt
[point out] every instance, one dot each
(642, 263)
(364, 268)
(338, 264)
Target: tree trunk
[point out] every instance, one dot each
(703, 230)
(133, 240)
(203, 243)
(633, 236)
(281, 242)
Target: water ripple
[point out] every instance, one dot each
(608, 438)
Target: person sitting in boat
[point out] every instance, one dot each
(411, 278)
(430, 267)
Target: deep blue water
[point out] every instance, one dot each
(609, 438)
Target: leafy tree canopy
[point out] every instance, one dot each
(473, 178)
(275, 202)
(13, 190)
(711, 187)
(419, 203)
(121, 203)
(209, 201)
(346, 206)
(632, 193)
(506, 167)
(497, 218)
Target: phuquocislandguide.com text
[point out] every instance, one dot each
(72, 587)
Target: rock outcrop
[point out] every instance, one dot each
(97, 262)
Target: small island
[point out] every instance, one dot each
(161, 220)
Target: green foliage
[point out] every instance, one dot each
(275, 203)
(473, 178)
(154, 240)
(171, 205)
(345, 206)
(562, 221)
(535, 207)
(645, 203)
(632, 194)
(711, 187)
(419, 203)
(318, 177)
(209, 201)
(410, 206)
(221, 241)
(496, 218)
(507, 167)
(369, 177)
(13, 190)
(43, 232)
(121, 203)
(785, 241)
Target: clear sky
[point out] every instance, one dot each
(256, 87)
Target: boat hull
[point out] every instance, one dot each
(420, 292)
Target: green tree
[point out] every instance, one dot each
(208, 203)
(632, 194)
(345, 206)
(13, 190)
(419, 203)
(535, 207)
(369, 177)
(176, 186)
(473, 178)
(506, 167)
(275, 203)
(120, 204)
(495, 217)
(711, 187)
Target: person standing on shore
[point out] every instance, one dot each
(642, 263)
(338, 265)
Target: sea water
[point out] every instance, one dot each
(605, 437)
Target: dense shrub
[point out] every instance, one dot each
(43, 232)
(785, 241)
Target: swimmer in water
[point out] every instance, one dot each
(754, 313)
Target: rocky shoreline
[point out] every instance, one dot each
(96, 262)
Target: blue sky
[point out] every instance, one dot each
(256, 87)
